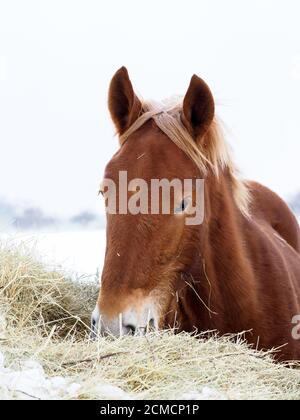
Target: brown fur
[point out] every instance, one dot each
(233, 273)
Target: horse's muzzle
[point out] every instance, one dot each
(129, 322)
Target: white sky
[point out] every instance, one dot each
(57, 58)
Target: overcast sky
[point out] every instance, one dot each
(57, 58)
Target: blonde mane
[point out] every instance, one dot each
(216, 156)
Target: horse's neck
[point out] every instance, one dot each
(223, 270)
(224, 221)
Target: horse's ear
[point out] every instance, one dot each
(198, 107)
(123, 104)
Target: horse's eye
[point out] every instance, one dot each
(182, 206)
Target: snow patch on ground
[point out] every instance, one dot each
(207, 393)
(30, 382)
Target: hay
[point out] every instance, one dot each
(37, 298)
(44, 319)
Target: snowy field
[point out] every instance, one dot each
(79, 253)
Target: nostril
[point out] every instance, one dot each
(130, 328)
(151, 323)
(93, 329)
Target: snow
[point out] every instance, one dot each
(111, 392)
(206, 393)
(30, 382)
(80, 253)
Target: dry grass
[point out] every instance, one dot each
(45, 317)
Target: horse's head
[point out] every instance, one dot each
(152, 197)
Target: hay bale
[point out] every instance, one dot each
(45, 320)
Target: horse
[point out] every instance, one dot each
(236, 271)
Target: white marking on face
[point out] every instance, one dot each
(121, 324)
(95, 322)
(134, 320)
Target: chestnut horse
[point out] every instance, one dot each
(239, 270)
